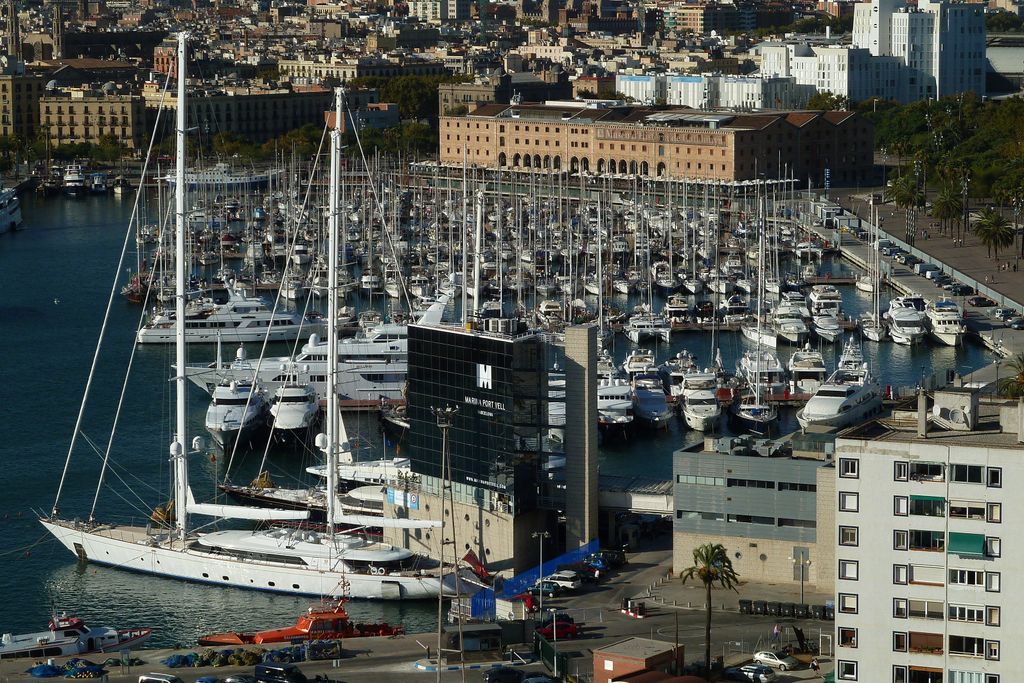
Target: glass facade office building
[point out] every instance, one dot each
(499, 385)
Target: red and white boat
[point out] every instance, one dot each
(70, 636)
(318, 623)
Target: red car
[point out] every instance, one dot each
(564, 629)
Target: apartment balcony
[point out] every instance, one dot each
(925, 643)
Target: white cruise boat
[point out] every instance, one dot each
(292, 561)
(241, 319)
(701, 409)
(825, 300)
(74, 180)
(236, 414)
(638, 360)
(643, 327)
(850, 394)
(827, 327)
(294, 412)
(379, 472)
(614, 404)
(807, 370)
(10, 211)
(907, 319)
(222, 176)
(373, 363)
(763, 369)
(946, 322)
(788, 323)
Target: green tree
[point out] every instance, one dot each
(948, 205)
(711, 566)
(906, 194)
(1012, 386)
(828, 101)
(1003, 22)
(994, 231)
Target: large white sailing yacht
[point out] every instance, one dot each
(282, 560)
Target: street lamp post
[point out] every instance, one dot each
(804, 563)
(540, 567)
(554, 641)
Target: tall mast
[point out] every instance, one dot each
(178, 452)
(331, 445)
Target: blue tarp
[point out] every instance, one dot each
(522, 582)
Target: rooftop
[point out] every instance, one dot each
(901, 427)
(639, 648)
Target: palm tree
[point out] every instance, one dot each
(711, 565)
(907, 196)
(994, 231)
(1012, 386)
(947, 205)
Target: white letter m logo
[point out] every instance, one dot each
(483, 376)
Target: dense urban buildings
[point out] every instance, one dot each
(83, 115)
(608, 137)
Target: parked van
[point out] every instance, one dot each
(278, 673)
(882, 244)
(922, 268)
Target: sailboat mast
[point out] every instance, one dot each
(178, 447)
(332, 313)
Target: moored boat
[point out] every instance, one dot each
(318, 623)
(70, 636)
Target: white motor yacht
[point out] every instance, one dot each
(788, 323)
(638, 361)
(827, 327)
(824, 300)
(946, 322)
(676, 369)
(701, 409)
(907, 319)
(850, 394)
(807, 370)
(763, 369)
(241, 319)
(236, 414)
(676, 307)
(74, 180)
(642, 327)
(295, 412)
(650, 406)
(614, 404)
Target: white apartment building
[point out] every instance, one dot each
(715, 91)
(439, 11)
(926, 592)
(899, 53)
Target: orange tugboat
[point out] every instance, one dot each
(318, 623)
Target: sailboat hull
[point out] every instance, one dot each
(133, 549)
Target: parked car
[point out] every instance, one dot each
(960, 289)
(240, 678)
(1003, 314)
(559, 616)
(548, 589)
(981, 301)
(534, 677)
(756, 673)
(942, 280)
(585, 572)
(504, 674)
(566, 579)
(615, 558)
(1017, 323)
(559, 630)
(776, 660)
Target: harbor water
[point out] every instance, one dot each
(56, 276)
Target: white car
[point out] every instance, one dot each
(565, 580)
(777, 660)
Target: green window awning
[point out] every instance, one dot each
(969, 545)
(931, 499)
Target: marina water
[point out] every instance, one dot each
(56, 276)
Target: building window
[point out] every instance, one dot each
(899, 674)
(963, 509)
(969, 613)
(848, 603)
(849, 570)
(992, 581)
(992, 650)
(927, 506)
(900, 506)
(849, 501)
(966, 577)
(900, 539)
(849, 535)
(934, 541)
(847, 671)
(995, 477)
(994, 513)
(967, 645)
(899, 608)
(926, 609)
(966, 474)
(992, 616)
(847, 637)
(899, 574)
(849, 468)
(899, 641)
(993, 548)
(901, 471)
(927, 471)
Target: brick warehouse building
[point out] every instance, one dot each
(662, 141)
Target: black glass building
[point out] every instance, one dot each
(498, 383)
